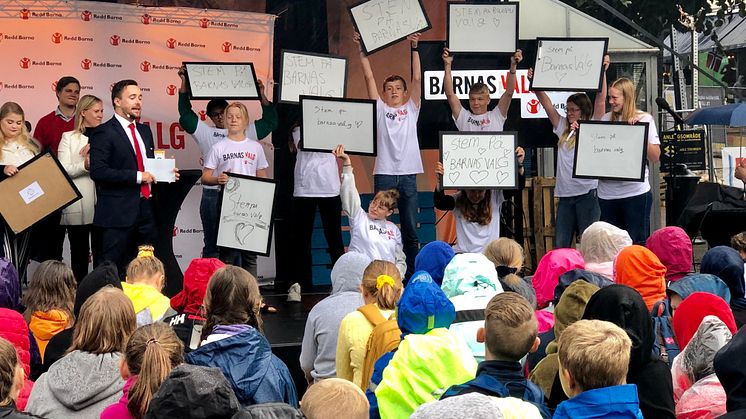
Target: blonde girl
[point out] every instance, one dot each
(381, 288)
(11, 379)
(143, 285)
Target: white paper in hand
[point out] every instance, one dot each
(161, 169)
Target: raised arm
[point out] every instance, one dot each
(442, 201)
(504, 103)
(453, 102)
(415, 88)
(269, 119)
(348, 191)
(599, 105)
(370, 81)
(187, 118)
(546, 103)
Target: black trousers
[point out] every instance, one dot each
(85, 241)
(304, 212)
(119, 244)
(47, 238)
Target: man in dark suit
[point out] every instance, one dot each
(123, 205)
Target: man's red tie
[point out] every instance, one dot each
(144, 187)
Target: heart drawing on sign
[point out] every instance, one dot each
(453, 176)
(478, 176)
(358, 124)
(560, 76)
(501, 177)
(243, 231)
(496, 22)
(481, 151)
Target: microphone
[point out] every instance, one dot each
(663, 104)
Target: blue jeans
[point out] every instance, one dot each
(631, 214)
(408, 207)
(574, 215)
(208, 213)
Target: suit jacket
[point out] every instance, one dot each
(114, 169)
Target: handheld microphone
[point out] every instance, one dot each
(663, 104)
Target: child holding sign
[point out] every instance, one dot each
(399, 160)
(578, 200)
(370, 233)
(477, 211)
(627, 204)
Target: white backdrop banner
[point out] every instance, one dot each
(101, 43)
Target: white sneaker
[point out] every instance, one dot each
(294, 293)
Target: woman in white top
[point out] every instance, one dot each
(74, 156)
(316, 184)
(16, 148)
(371, 233)
(578, 201)
(627, 204)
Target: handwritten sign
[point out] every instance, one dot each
(328, 122)
(569, 64)
(611, 150)
(246, 210)
(478, 160)
(483, 27)
(381, 23)
(311, 74)
(208, 80)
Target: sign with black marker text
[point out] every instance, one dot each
(478, 160)
(328, 122)
(483, 27)
(381, 23)
(611, 150)
(305, 73)
(221, 80)
(569, 64)
(246, 210)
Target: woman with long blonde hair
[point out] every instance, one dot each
(73, 153)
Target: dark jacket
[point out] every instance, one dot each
(114, 169)
(731, 371)
(10, 412)
(269, 411)
(246, 360)
(623, 306)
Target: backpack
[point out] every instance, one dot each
(384, 338)
(664, 344)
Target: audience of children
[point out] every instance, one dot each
(550, 267)
(334, 398)
(639, 268)
(674, 249)
(688, 285)
(600, 245)
(726, 263)
(145, 279)
(433, 259)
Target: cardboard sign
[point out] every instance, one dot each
(247, 206)
(687, 147)
(611, 150)
(311, 74)
(481, 27)
(40, 188)
(478, 160)
(381, 23)
(236, 81)
(328, 122)
(569, 64)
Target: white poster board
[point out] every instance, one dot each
(328, 122)
(732, 157)
(611, 150)
(311, 74)
(478, 160)
(569, 64)
(246, 210)
(235, 81)
(483, 27)
(381, 23)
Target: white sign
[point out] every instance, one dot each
(222, 80)
(569, 64)
(496, 80)
(31, 192)
(531, 107)
(483, 160)
(161, 169)
(330, 122)
(246, 209)
(311, 74)
(611, 150)
(483, 27)
(732, 157)
(381, 23)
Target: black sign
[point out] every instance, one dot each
(686, 147)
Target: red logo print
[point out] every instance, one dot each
(56, 37)
(170, 90)
(176, 231)
(145, 19)
(85, 64)
(145, 66)
(25, 62)
(204, 22)
(25, 13)
(54, 86)
(203, 115)
(86, 15)
(114, 40)
(227, 46)
(1, 36)
(532, 106)
(171, 43)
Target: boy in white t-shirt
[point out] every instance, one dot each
(240, 155)
(399, 160)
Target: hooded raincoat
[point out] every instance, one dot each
(639, 268)
(731, 371)
(674, 249)
(600, 245)
(725, 263)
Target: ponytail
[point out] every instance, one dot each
(152, 351)
(382, 280)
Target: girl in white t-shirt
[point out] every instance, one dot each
(578, 201)
(240, 155)
(371, 233)
(627, 204)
